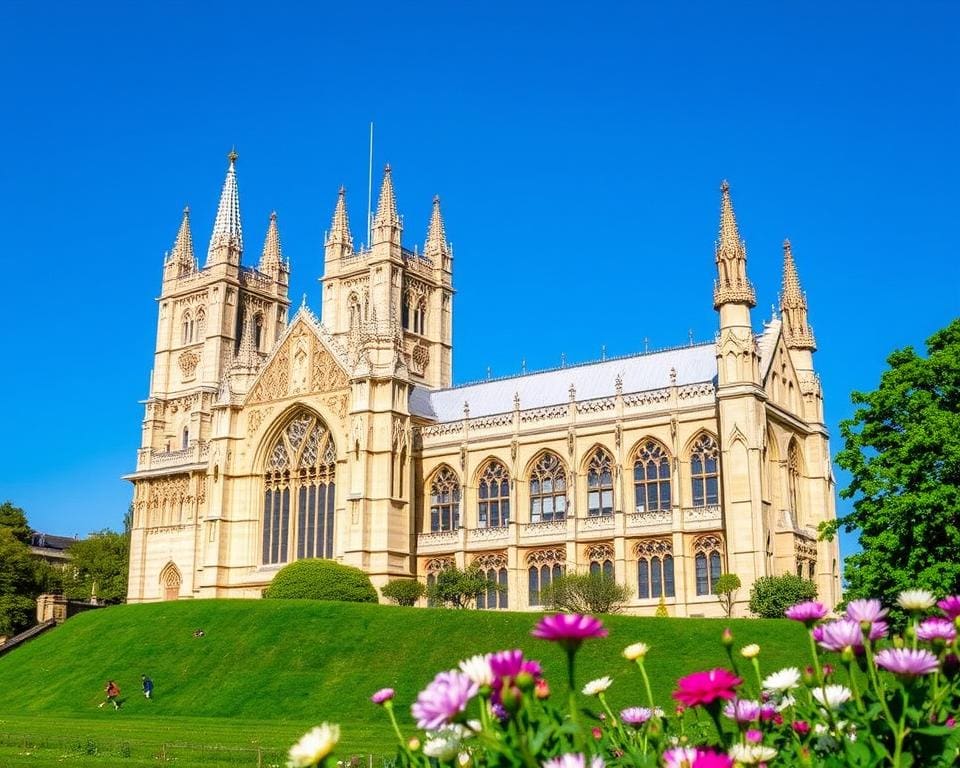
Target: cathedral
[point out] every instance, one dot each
(269, 438)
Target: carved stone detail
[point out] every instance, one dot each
(188, 364)
(547, 556)
(600, 552)
(490, 560)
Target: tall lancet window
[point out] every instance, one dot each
(299, 492)
(548, 490)
(705, 472)
(794, 466)
(600, 484)
(493, 494)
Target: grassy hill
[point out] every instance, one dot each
(303, 662)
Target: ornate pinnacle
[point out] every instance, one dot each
(247, 354)
(793, 306)
(227, 231)
(732, 285)
(272, 257)
(340, 226)
(232, 155)
(182, 252)
(436, 244)
(387, 205)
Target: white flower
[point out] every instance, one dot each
(916, 600)
(785, 703)
(785, 680)
(477, 668)
(596, 687)
(749, 754)
(832, 696)
(635, 651)
(313, 746)
(463, 759)
(475, 725)
(445, 743)
(750, 651)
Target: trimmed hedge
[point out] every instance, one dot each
(315, 579)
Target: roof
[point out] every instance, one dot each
(48, 541)
(639, 373)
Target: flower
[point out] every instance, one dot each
(635, 715)
(937, 629)
(382, 696)
(878, 629)
(832, 696)
(742, 710)
(907, 661)
(950, 606)
(807, 612)
(541, 689)
(865, 610)
(705, 687)
(785, 680)
(801, 726)
(443, 699)
(707, 758)
(750, 651)
(840, 634)
(573, 761)
(511, 664)
(313, 746)
(568, 629)
(750, 754)
(477, 668)
(753, 736)
(679, 757)
(635, 651)
(596, 687)
(916, 600)
(445, 743)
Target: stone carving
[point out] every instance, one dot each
(653, 547)
(273, 382)
(188, 364)
(420, 358)
(490, 560)
(437, 564)
(547, 556)
(327, 375)
(602, 551)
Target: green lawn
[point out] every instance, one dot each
(267, 670)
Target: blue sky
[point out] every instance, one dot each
(578, 150)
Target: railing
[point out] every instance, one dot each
(702, 517)
(547, 528)
(192, 455)
(656, 518)
(434, 541)
(492, 533)
(596, 523)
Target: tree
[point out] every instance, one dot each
(99, 562)
(18, 587)
(14, 519)
(725, 588)
(902, 450)
(772, 595)
(316, 579)
(585, 593)
(459, 589)
(403, 591)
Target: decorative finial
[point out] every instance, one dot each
(563, 359)
(233, 156)
(489, 373)
(386, 168)
(724, 186)
(690, 336)
(786, 243)
(516, 401)
(303, 301)
(646, 345)
(466, 409)
(186, 210)
(523, 365)
(673, 375)
(618, 384)
(436, 199)
(572, 392)
(603, 351)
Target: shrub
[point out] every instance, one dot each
(585, 593)
(662, 611)
(725, 588)
(315, 579)
(403, 591)
(458, 588)
(772, 595)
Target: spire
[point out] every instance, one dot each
(793, 306)
(227, 232)
(386, 222)
(247, 356)
(340, 226)
(182, 254)
(436, 245)
(732, 285)
(271, 259)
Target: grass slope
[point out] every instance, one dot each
(299, 662)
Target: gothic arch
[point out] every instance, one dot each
(537, 457)
(485, 463)
(547, 487)
(279, 423)
(588, 455)
(688, 446)
(642, 443)
(170, 581)
(443, 490)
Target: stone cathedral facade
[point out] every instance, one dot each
(268, 438)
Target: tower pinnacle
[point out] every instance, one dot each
(227, 231)
(340, 226)
(386, 222)
(793, 306)
(272, 257)
(732, 285)
(181, 257)
(436, 246)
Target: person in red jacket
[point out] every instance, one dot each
(113, 694)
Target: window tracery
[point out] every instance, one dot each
(651, 478)
(600, 484)
(545, 565)
(493, 494)
(655, 576)
(704, 471)
(600, 557)
(445, 501)
(708, 562)
(493, 566)
(548, 490)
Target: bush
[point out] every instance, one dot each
(725, 588)
(315, 579)
(403, 591)
(772, 595)
(458, 588)
(585, 593)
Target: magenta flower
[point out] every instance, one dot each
(907, 662)
(443, 699)
(569, 629)
(705, 687)
(512, 663)
(754, 736)
(707, 758)
(840, 634)
(573, 761)
(950, 606)
(865, 610)
(635, 716)
(807, 612)
(382, 696)
(878, 630)
(742, 710)
(679, 757)
(937, 629)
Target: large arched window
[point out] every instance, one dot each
(299, 493)
(548, 490)
(794, 469)
(433, 567)
(445, 501)
(651, 478)
(493, 495)
(494, 567)
(601, 559)
(186, 328)
(655, 568)
(708, 562)
(704, 472)
(544, 566)
(600, 484)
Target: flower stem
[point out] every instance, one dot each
(646, 684)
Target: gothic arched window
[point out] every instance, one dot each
(705, 472)
(600, 484)
(548, 490)
(544, 566)
(651, 478)
(299, 492)
(201, 324)
(420, 317)
(186, 328)
(794, 469)
(258, 331)
(655, 568)
(445, 501)
(708, 562)
(494, 568)
(493, 494)
(601, 559)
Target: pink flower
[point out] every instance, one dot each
(937, 629)
(840, 634)
(865, 610)
(754, 736)
(907, 662)
(742, 710)
(635, 715)
(801, 726)
(569, 629)
(950, 606)
(573, 761)
(807, 612)
(705, 687)
(382, 696)
(878, 629)
(768, 711)
(707, 758)
(679, 757)
(512, 663)
(443, 699)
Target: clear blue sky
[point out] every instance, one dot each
(578, 150)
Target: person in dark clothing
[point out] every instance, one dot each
(147, 686)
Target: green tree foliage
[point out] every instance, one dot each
(315, 579)
(902, 450)
(15, 520)
(725, 588)
(18, 585)
(100, 561)
(403, 591)
(585, 593)
(458, 589)
(772, 595)
(661, 612)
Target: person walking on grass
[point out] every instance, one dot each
(147, 686)
(113, 694)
